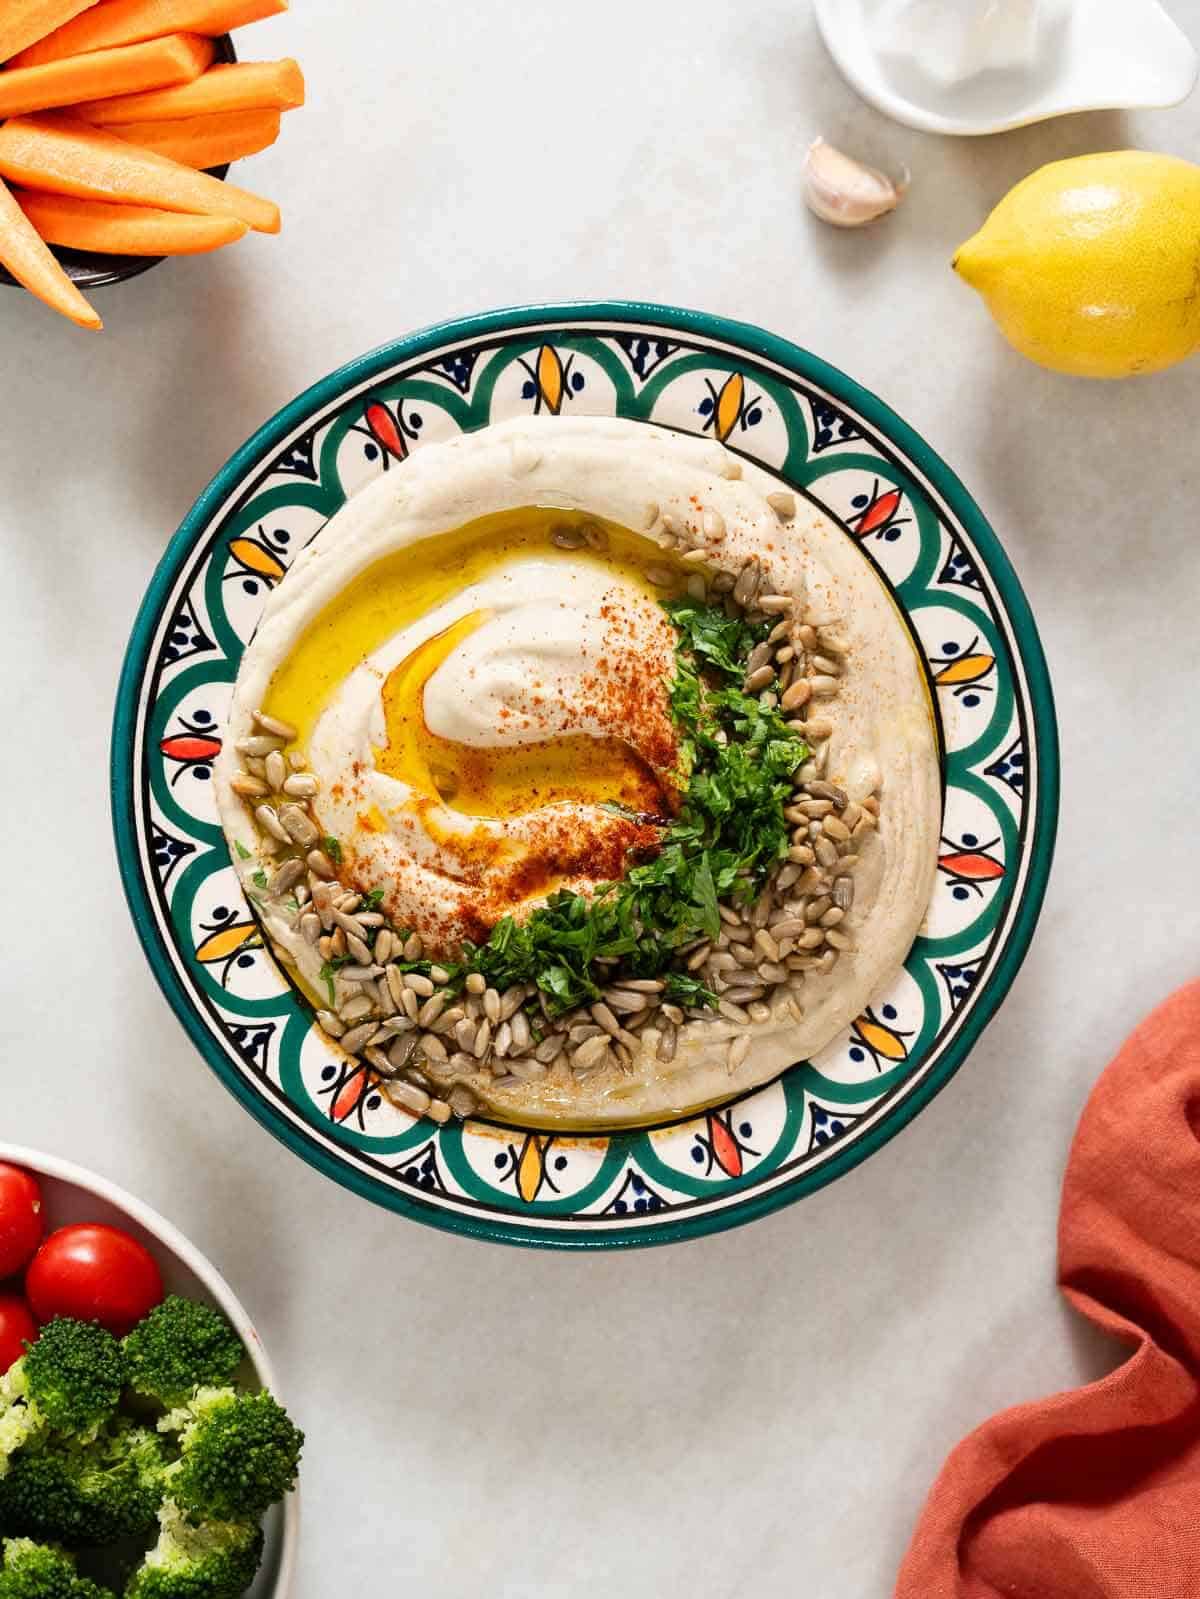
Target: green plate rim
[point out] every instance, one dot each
(805, 365)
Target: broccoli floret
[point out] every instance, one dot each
(37, 1571)
(82, 1494)
(238, 1454)
(179, 1347)
(18, 1421)
(215, 1560)
(73, 1376)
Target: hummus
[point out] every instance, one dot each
(479, 687)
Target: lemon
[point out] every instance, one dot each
(1092, 266)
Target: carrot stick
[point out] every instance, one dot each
(115, 22)
(24, 22)
(206, 141)
(159, 62)
(63, 156)
(29, 260)
(125, 229)
(237, 86)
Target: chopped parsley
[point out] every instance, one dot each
(259, 878)
(738, 757)
(327, 972)
(332, 848)
(243, 852)
(373, 900)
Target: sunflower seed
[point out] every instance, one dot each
(829, 791)
(462, 1102)
(521, 1037)
(360, 973)
(836, 829)
(413, 947)
(310, 927)
(661, 576)
(249, 787)
(738, 1050)
(827, 668)
(258, 746)
(732, 1012)
(301, 785)
(713, 524)
(774, 604)
(325, 948)
(419, 985)
(300, 826)
(431, 1010)
(331, 1023)
(746, 586)
(667, 1044)
(672, 1013)
(266, 818)
(483, 1039)
(288, 875)
(276, 727)
(491, 1005)
(383, 945)
(605, 1018)
(766, 945)
(379, 1061)
(758, 679)
(818, 730)
(411, 1003)
(772, 971)
(810, 938)
(838, 940)
(320, 863)
(625, 1003)
(826, 851)
(355, 1007)
(832, 916)
(276, 769)
(723, 582)
(843, 892)
(801, 854)
(782, 503)
(788, 927)
(550, 1048)
(502, 1042)
(590, 1053)
(797, 695)
(353, 1041)
(695, 558)
(816, 908)
(865, 824)
(408, 1096)
(433, 1049)
(697, 960)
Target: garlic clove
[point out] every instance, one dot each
(844, 191)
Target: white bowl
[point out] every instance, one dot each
(71, 1194)
(1107, 55)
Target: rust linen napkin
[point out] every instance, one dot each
(1095, 1494)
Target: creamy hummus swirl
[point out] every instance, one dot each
(540, 651)
(532, 637)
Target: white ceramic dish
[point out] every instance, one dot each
(1104, 55)
(72, 1194)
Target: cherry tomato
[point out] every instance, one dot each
(94, 1273)
(17, 1328)
(21, 1224)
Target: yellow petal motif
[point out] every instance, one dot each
(729, 405)
(881, 1039)
(226, 943)
(531, 1167)
(550, 378)
(969, 670)
(255, 559)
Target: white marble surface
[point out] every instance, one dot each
(758, 1412)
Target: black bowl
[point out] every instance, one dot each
(91, 270)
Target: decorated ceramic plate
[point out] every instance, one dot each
(899, 509)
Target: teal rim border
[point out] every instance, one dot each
(1043, 731)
